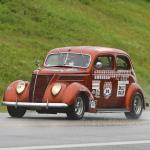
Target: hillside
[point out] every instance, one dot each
(29, 28)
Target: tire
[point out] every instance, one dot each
(76, 110)
(137, 107)
(16, 112)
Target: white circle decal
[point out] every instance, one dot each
(107, 91)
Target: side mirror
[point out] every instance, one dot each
(98, 65)
(37, 63)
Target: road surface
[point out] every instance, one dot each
(95, 131)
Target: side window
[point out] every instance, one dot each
(123, 63)
(106, 62)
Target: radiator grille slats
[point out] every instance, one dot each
(40, 87)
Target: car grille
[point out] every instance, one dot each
(40, 87)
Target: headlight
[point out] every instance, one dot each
(56, 88)
(20, 87)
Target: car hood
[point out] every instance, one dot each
(59, 70)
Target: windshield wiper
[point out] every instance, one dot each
(67, 66)
(66, 59)
(63, 66)
(56, 66)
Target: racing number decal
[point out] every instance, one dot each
(107, 89)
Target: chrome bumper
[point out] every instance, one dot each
(26, 104)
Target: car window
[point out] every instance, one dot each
(107, 62)
(68, 59)
(122, 63)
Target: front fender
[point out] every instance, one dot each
(73, 90)
(67, 94)
(133, 88)
(11, 95)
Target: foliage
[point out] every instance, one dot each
(29, 28)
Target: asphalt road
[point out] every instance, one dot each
(95, 131)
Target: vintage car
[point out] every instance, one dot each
(79, 79)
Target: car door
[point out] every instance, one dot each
(124, 76)
(103, 81)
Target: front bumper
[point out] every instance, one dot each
(36, 105)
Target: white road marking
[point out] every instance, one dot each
(77, 145)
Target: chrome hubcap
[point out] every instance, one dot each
(79, 106)
(137, 104)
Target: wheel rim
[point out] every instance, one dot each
(137, 104)
(79, 106)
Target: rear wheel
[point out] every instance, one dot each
(16, 112)
(137, 107)
(76, 110)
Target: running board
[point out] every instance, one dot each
(111, 110)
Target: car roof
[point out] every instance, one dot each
(89, 50)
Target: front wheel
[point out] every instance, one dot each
(137, 107)
(76, 110)
(16, 112)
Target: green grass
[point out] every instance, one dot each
(29, 28)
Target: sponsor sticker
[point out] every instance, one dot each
(96, 88)
(93, 104)
(121, 88)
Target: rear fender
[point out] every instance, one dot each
(11, 95)
(133, 88)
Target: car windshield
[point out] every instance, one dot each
(68, 59)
